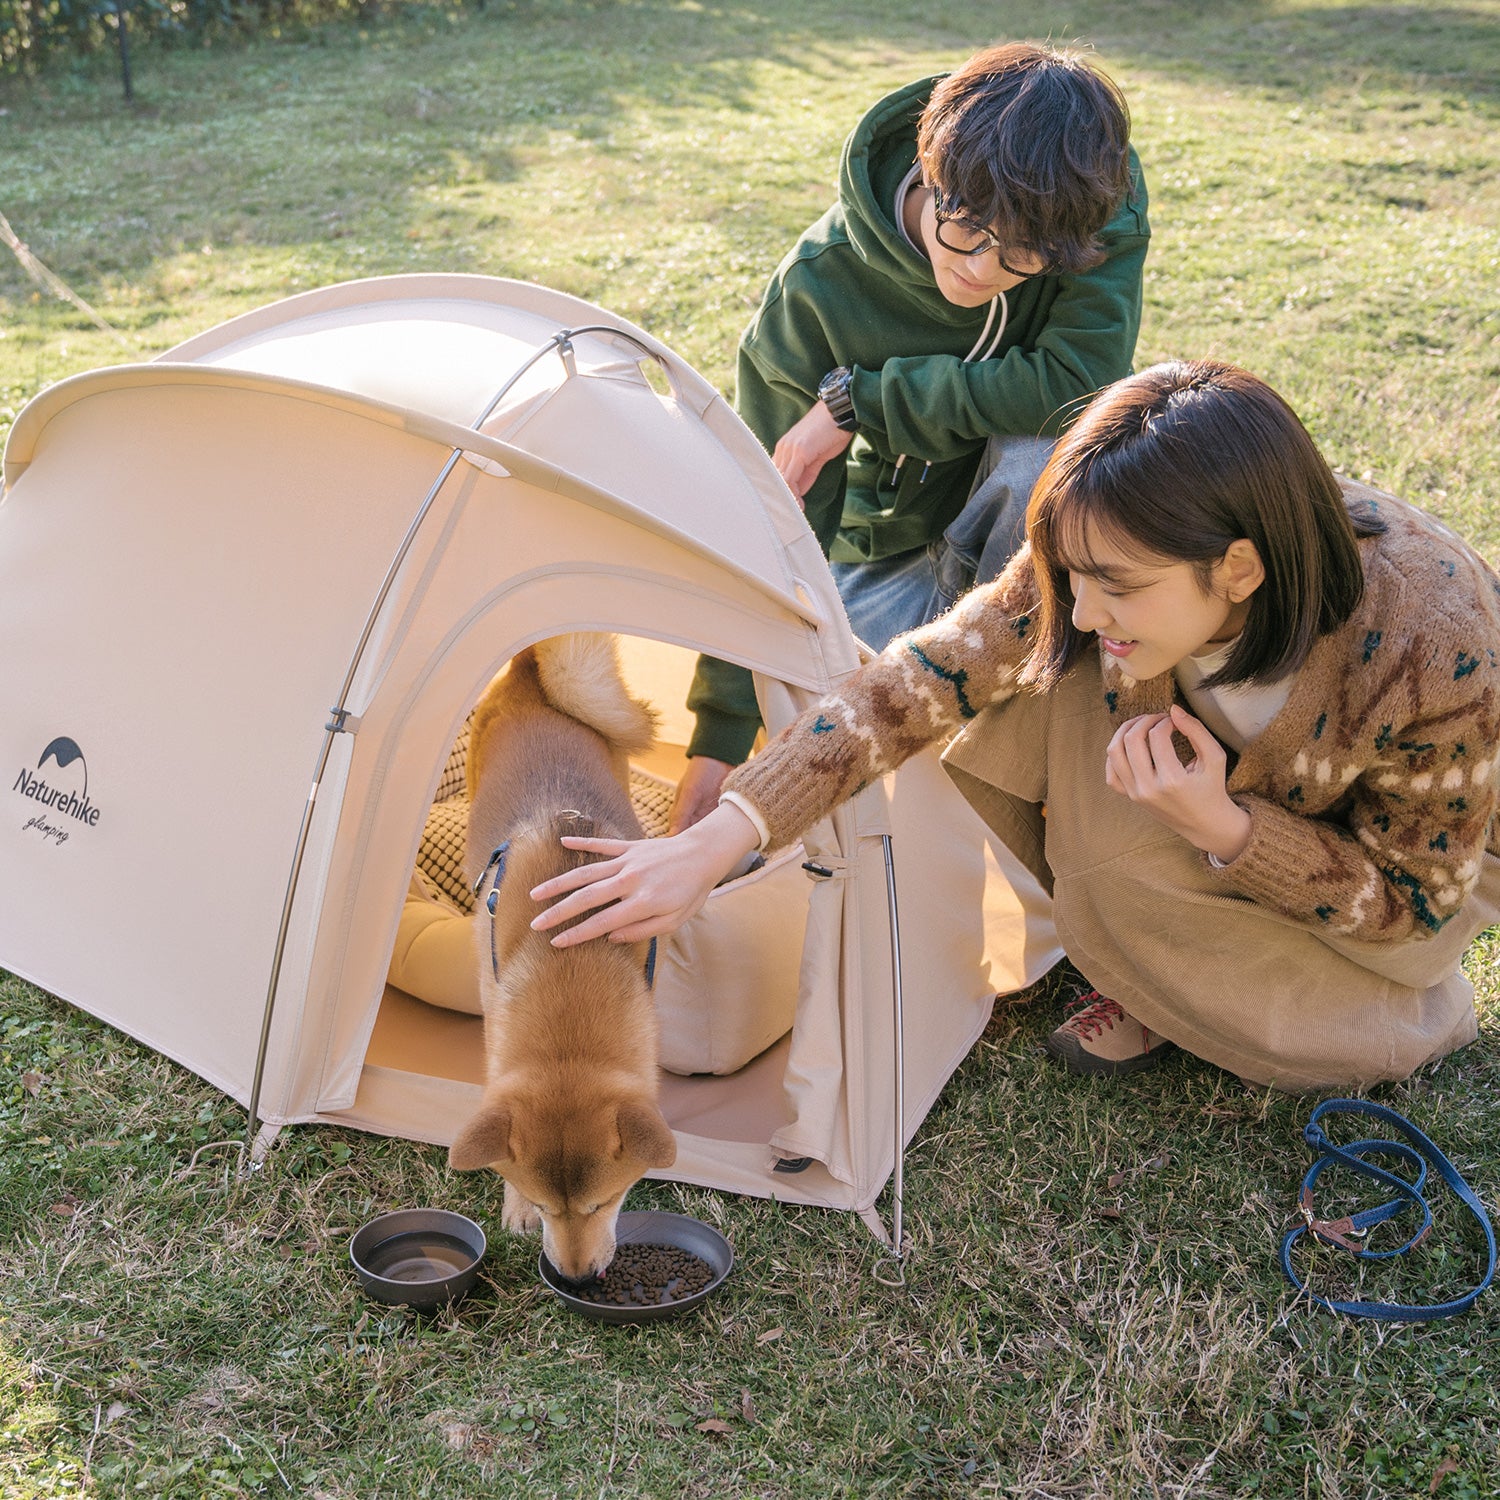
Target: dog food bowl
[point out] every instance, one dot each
(677, 1235)
(418, 1257)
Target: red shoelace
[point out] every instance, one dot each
(1094, 1014)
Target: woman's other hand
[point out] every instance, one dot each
(1141, 763)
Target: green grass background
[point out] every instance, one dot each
(1092, 1305)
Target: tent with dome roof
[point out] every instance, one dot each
(250, 592)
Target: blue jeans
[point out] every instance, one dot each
(894, 594)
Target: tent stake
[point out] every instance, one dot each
(898, 1181)
(339, 720)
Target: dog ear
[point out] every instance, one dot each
(484, 1141)
(645, 1135)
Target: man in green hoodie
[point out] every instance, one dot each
(922, 344)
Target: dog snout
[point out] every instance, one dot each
(577, 1263)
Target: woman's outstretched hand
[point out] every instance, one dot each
(1141, 764)
(645, 887)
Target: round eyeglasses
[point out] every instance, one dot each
(964, 237)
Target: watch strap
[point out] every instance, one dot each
(834, 393)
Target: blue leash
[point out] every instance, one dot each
(1417, 1153)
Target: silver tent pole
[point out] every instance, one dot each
(898, 1182)
(338, 723)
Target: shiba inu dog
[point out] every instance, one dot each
(569, 1116)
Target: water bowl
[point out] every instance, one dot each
(418, 1257)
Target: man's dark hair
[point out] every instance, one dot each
(1030, 143)
(1174, 464)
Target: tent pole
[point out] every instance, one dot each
(338, 723)
(898, 1181)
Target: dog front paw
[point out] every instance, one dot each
(518, 1214)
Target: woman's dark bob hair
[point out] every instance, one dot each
(1176, 463)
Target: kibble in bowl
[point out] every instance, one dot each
(664, 1264)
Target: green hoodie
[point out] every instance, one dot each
(853, 291)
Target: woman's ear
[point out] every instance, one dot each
(1240, 571)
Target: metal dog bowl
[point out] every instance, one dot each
(418, 1257)
(650, 1227)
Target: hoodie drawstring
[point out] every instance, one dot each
(997, 301)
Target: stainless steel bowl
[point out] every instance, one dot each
(418, 1257)
(651, 1227)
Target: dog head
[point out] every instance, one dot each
(574, 1159)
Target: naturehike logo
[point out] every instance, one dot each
(65, 794)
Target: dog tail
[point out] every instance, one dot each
(580, 675)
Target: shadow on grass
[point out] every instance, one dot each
(1262, 44)
(342, 135)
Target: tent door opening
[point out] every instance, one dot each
(726, 987)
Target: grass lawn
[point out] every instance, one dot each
(1092, 1304)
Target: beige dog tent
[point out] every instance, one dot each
(249, 592)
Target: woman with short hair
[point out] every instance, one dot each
(1241, 718)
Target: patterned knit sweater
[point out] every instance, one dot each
(1372, 794)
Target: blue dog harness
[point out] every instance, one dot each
(1416, 1153)
(496, 862)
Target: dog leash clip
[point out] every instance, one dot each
(495, 862)
(1341, 1232)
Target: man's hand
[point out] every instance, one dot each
(806, 446)
(697, 792)
(1191, 800)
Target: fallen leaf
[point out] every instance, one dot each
(1116, 1180)
(747, 1407)
(1110, 1213)
(713, 1424)
(32, 1083)
(63, 1210)
(769, 1336)
(117, 1409)
(1443, 1470)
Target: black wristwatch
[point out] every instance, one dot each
(833, 392)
